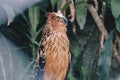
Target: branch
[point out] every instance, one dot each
(97, 19)
(101, 43)
(102, 29)
(96, 4)
(103, 11)
(116, 53)
(72, 11)
(118, 43)
(63, 3)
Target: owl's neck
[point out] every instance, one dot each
(51, 28)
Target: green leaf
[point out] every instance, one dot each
(108, 2)
(43, 5)
(117, 21)
(38, 32)
(115, 7)
(53, 2)
(75, 51)
(59, 3)
(34, 16)
(105, 58)
(70, 75)
(66, 6)
(81, 12)
(74, 47)
(84, 72)
(35, 42)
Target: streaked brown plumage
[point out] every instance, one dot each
(54, 44)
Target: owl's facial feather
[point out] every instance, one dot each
(57, 19)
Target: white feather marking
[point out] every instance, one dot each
(60, 15)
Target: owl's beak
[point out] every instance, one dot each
(65, 21)
(59, 13)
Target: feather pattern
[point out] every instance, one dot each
(54, 47)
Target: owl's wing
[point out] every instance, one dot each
(41, 56)
(40, 59)
(40, 63)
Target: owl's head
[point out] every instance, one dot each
(56, 19)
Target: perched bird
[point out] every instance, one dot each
(53, 48)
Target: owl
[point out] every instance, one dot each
(53, 54)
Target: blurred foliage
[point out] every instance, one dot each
(53, 2)
(81, 12)
(117, 21)
(115, 7)
(26, 31)
(34, 17)
(105, 58)
(14, 63)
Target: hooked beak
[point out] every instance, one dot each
(65, 21)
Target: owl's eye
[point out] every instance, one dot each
(57, 18)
